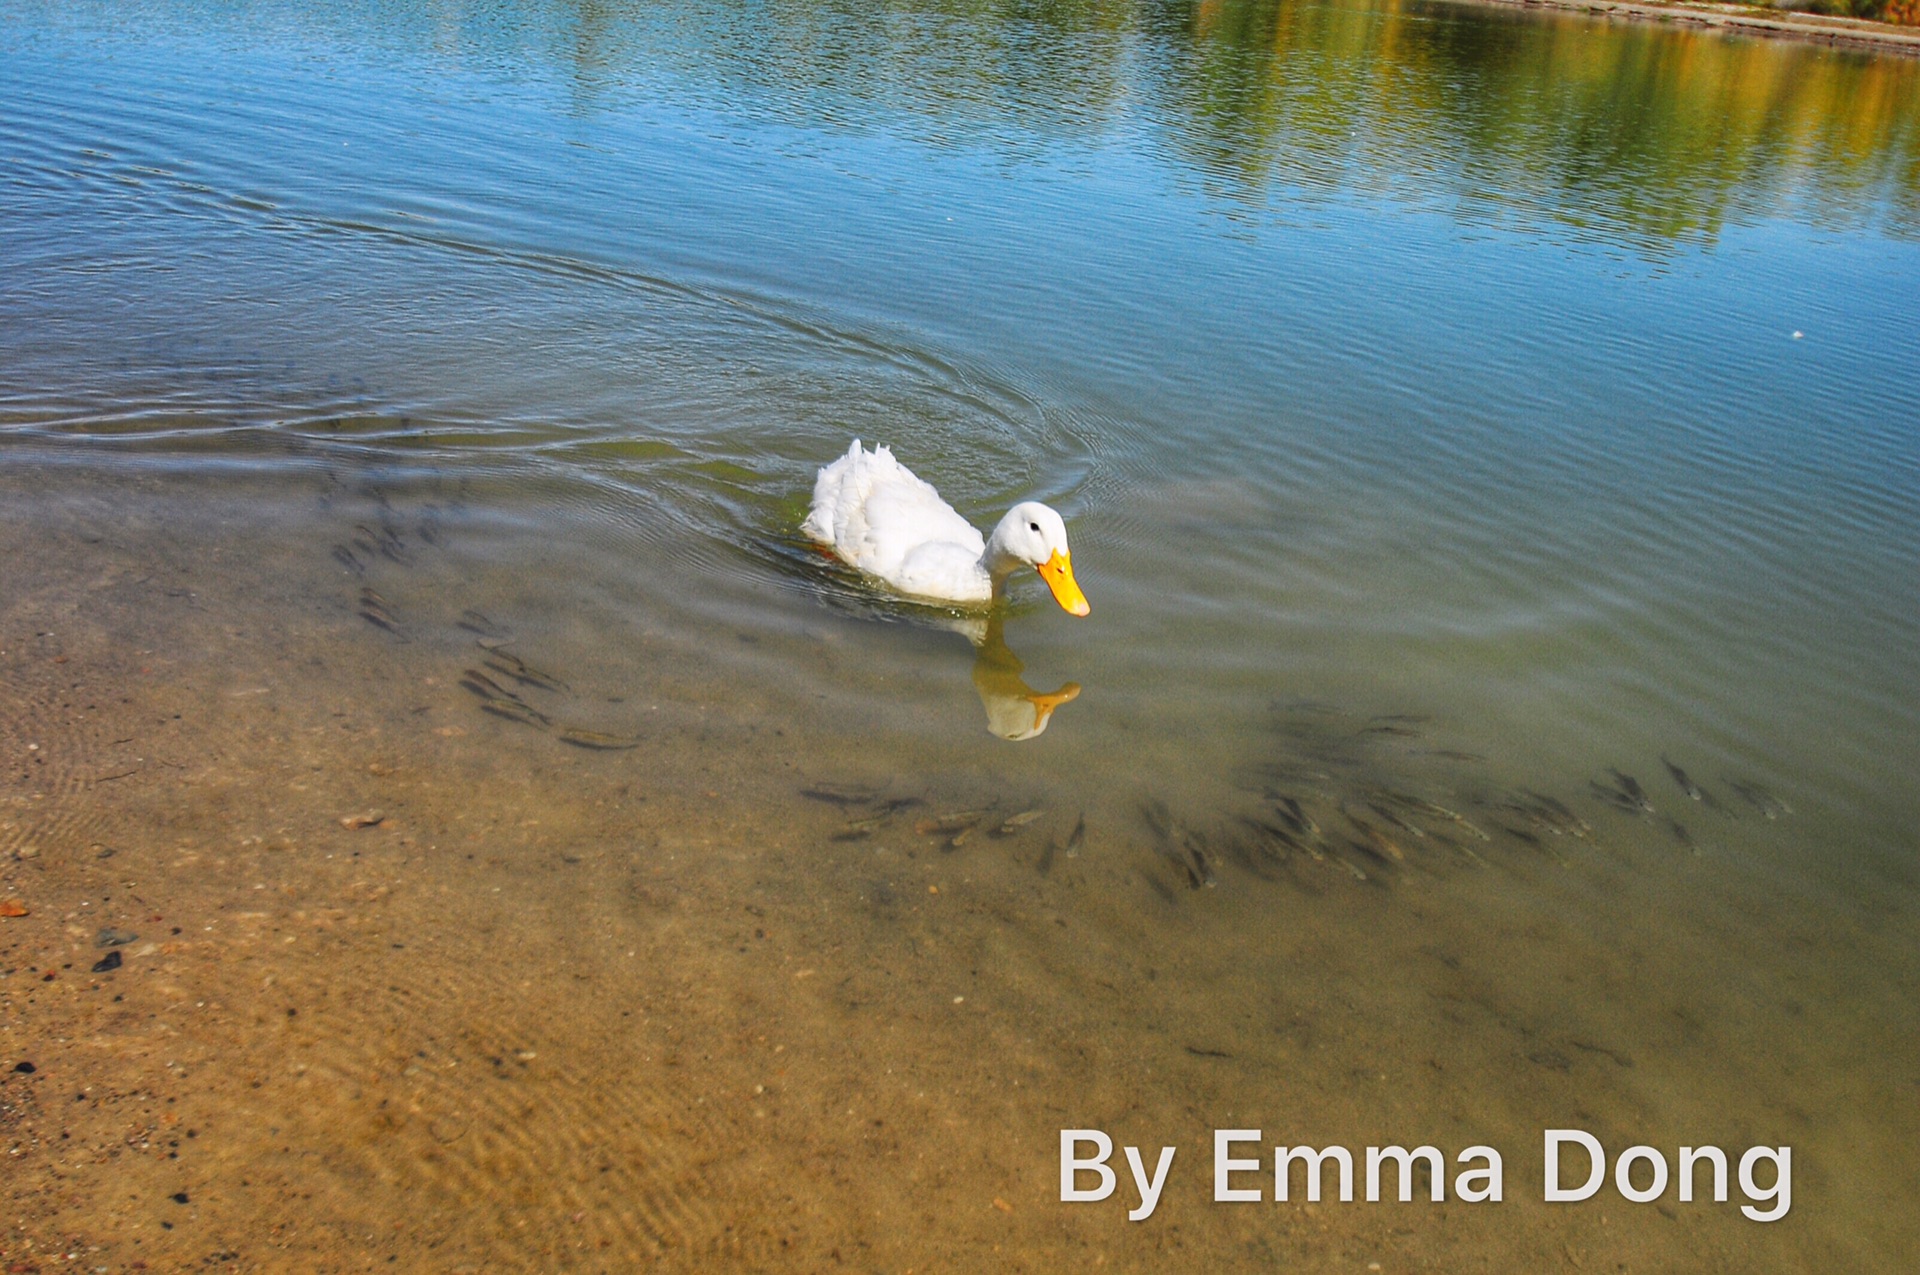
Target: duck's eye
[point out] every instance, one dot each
(1033, 526)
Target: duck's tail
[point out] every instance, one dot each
(841, 485)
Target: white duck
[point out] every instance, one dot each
(870, 510)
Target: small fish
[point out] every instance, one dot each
(393, 547)
(383, 541)
(1387, 813)
(959, 838)
(1159, 887)
(1619, 1059)
(1373, 852)
(520, 671)
(1455, 754)
(1684, 780)
(1398, 732)
(1564, 818)
(840, 794)
(1432, 809)
(1681, 835)
(1532, 816)
(347, 558)
(1375, 842)
(373, 609)
(1420, 805)
(1438, 811)
(860, 829)
(1631, 787)
(1272, 834)
(516, 711)
(1412, 719)
(1760, 799)
(1257, 856)
(1191, 859)
(1462, 848)
(1617, 799)
(1200, 869)
(476, 622)
(580, 738)
(1014, 823)
(942, 825)
(485, 687)
(1077, 837)
(1291, 812)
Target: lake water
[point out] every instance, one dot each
(539, 858)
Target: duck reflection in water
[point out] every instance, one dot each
(1015, 711)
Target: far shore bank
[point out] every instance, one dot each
(1742, 20)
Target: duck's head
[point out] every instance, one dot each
(1033, 535)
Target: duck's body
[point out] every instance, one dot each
(873, 513)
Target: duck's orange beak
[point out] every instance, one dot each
(1043, 705)
(1057, 571)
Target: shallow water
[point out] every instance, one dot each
(1447, 403)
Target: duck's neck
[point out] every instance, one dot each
(996, 560)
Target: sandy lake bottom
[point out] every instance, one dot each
(585, 1008)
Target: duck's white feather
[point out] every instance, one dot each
(877, 515)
